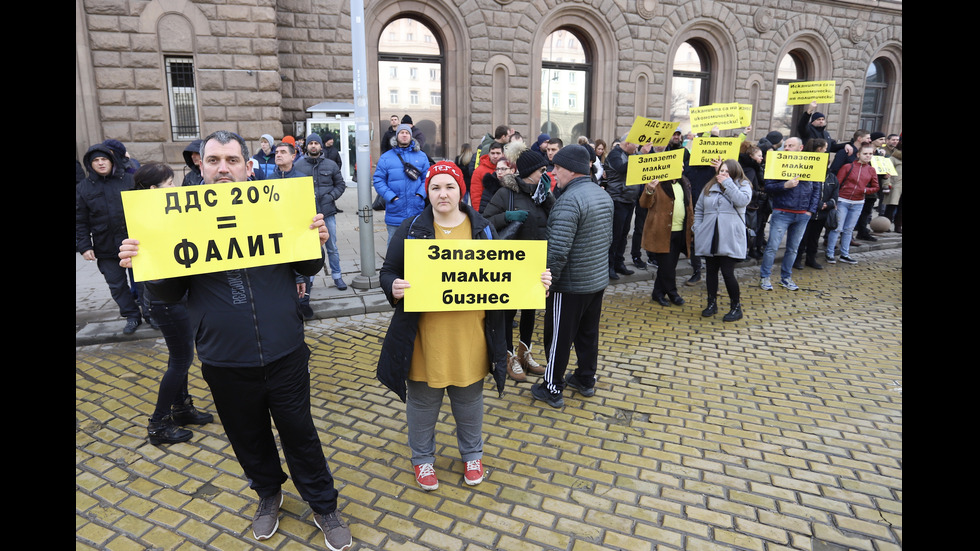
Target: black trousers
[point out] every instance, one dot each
(639, 220)
(248, 399)
(571, 319)
(726, 265)
(622, 212)
(811, 239)
(665, 283)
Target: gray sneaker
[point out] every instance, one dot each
(765, 283)
(788, 283)
(335, 531)
(266, 519)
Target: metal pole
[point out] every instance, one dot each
(368, 278)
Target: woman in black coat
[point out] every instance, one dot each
(523, 198)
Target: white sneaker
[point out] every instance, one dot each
(766, 284)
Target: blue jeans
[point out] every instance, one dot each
(849, 214)
(333, 254)
(793, 226)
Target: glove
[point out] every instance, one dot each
(515, 215)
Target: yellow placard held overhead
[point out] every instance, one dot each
(209, 228)
(820, 91)
(802, 165)
(703, 150)
(745, 114)
(643, 169)
(649, 131)
(883, 165)
(722, 115)
(456, 275)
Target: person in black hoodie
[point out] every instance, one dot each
(100, 225)
(192, 158)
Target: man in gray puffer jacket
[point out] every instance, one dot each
(579, 235)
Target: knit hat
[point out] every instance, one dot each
(774, 137)
(403, 126)
(541, 139)
(574, 158)
(290, 140)
(446, 167)
(817, 115)
(407, 120)
(528, 162)
(119, 149)
(877, 135)
(314, 137)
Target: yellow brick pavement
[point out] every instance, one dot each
(779, 432)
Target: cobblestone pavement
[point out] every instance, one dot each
(779, 432)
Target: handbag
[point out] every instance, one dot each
(513, 228)
(379, 202)
(832, 220)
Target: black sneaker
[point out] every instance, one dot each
(572, 383)
(266, 519)
(131, 325)
(307, 310)
(695, 278)
(847, 260)
(541, 393)
(336, 534)
(639, 263)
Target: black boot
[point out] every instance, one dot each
(712, 308)
(735, 314)
(167, 432)
(187, 414)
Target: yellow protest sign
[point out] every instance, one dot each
(803, 165)
(642, 169)
(463, 274)
(722, 115)
(820, 91)
(883, 165)
(201, 229)
(745, 114)
(651, 131)
(703, 150)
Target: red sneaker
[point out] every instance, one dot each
(425, 475)
(474, 472)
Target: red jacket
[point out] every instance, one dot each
(861, 180)
(476, 180)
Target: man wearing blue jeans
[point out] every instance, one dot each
(793, 203)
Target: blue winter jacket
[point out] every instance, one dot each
(804, 197)
(390, 181)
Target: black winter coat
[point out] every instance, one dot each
(536, 225)
(399, 343)
(99, 221)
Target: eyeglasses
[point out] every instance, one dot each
(504, 169)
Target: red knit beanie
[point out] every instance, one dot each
(446, 167)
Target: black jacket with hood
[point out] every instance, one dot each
(100, 225)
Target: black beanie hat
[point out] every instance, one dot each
(529, 161)
(574, 158)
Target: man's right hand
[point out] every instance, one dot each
(89, 255)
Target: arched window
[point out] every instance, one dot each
(410, 68)
(690, 82)
(792, 68)
(566, 80)
(875, 93)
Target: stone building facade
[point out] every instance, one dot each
(258, 65)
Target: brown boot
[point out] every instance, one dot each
(527, 362)
(514, 369)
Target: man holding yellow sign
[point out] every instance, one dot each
(256, 362)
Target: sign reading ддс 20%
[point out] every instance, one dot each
(209, 228)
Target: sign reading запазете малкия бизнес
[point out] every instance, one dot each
(209, 228)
